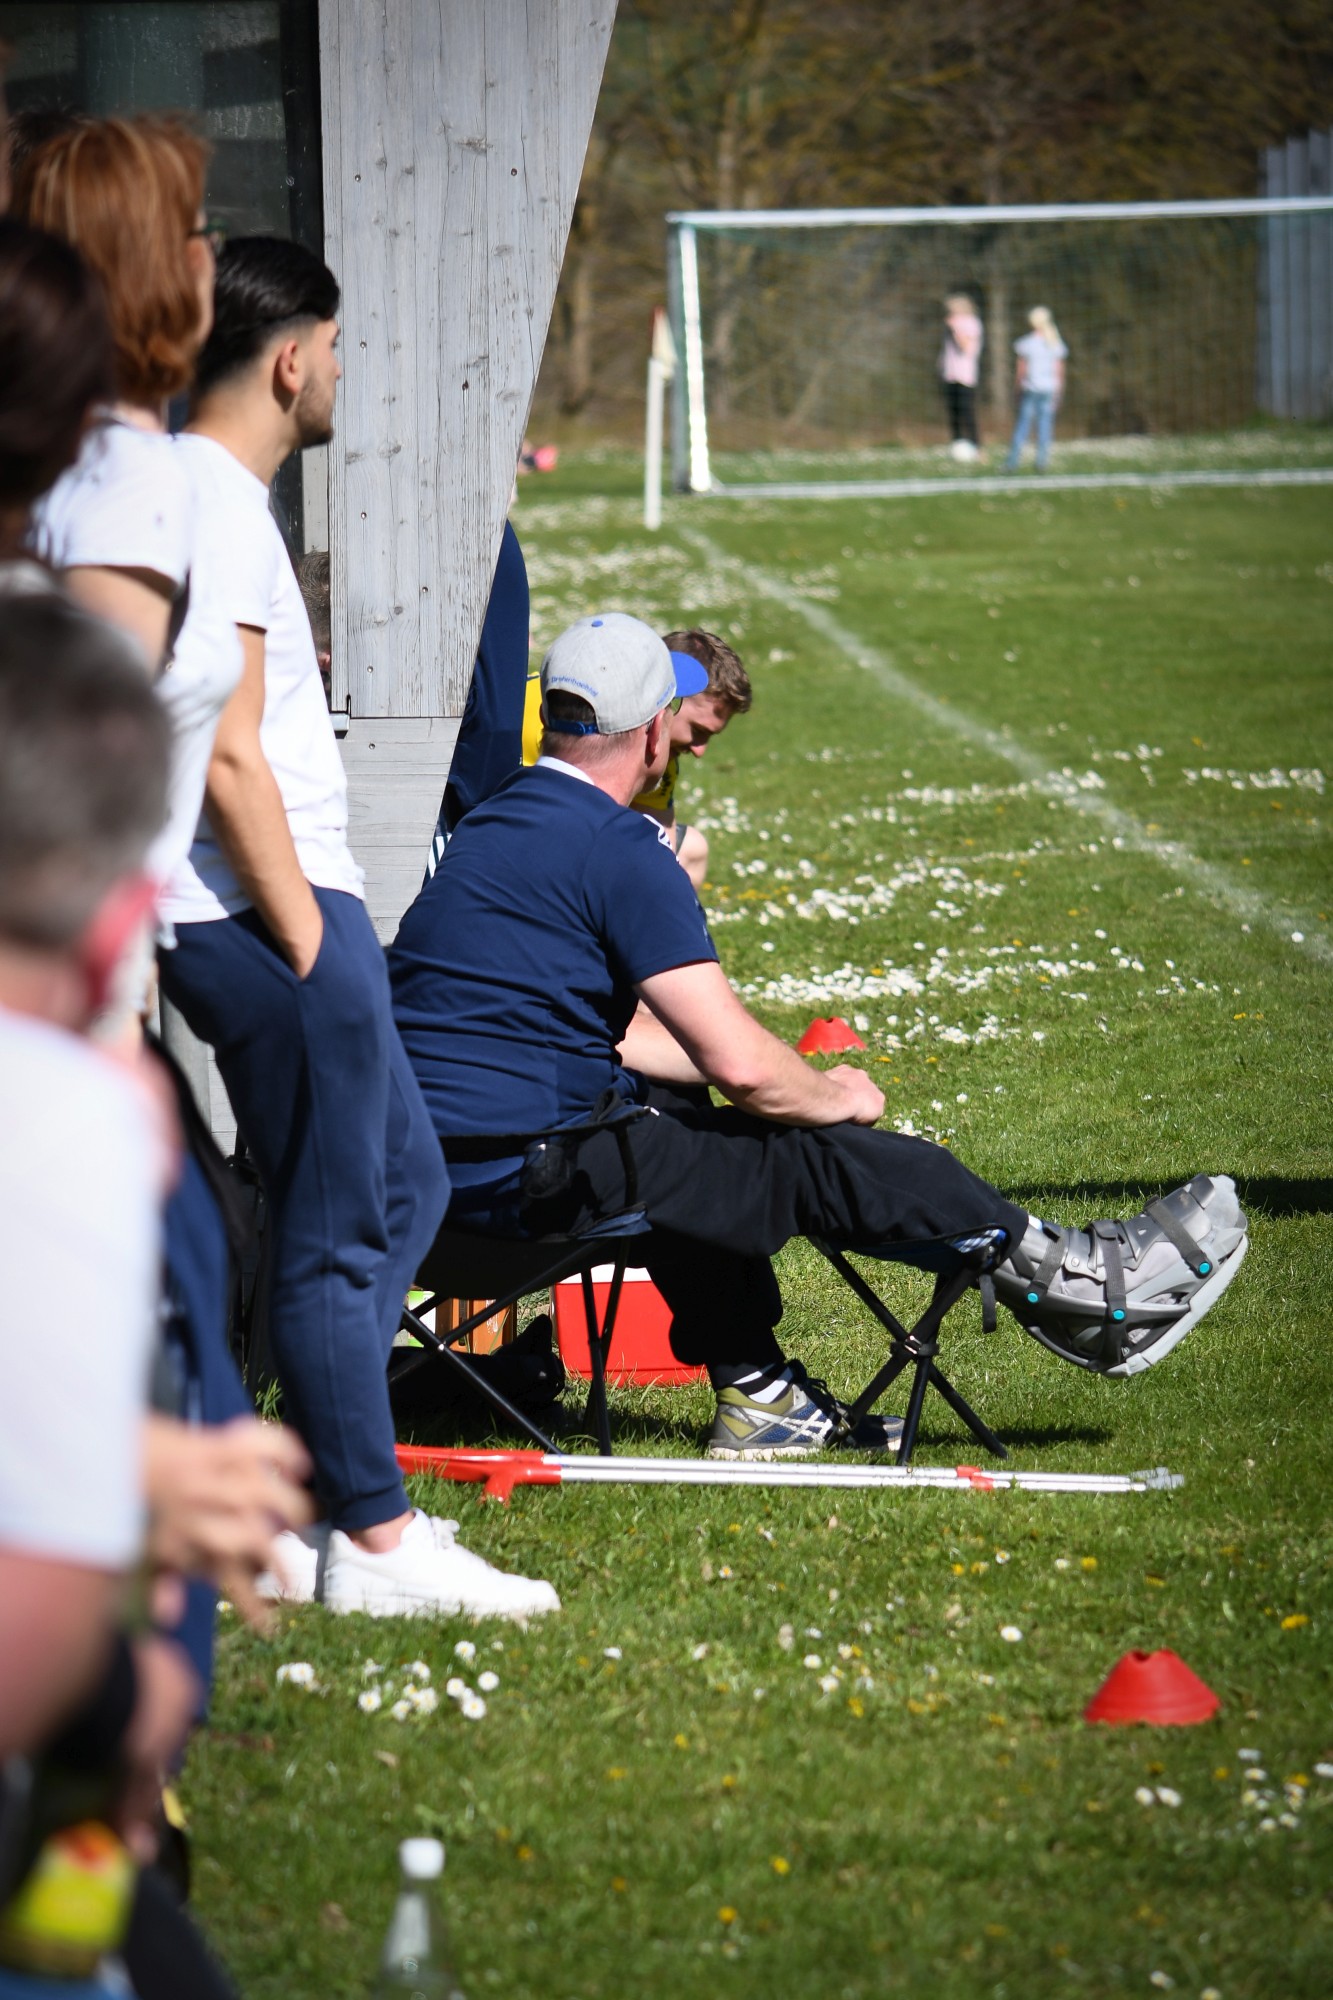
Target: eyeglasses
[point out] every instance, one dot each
(214, 232)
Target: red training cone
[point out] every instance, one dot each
(826, 1038)
(1152, 1687)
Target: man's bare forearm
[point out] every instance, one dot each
(246, 813)
(652, 1050)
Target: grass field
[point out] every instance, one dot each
(1034, 790)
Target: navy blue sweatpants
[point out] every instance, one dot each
(334, 1118)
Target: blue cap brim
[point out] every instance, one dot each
(691, 674)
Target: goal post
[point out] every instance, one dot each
(809, 339)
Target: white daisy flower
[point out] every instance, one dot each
(699, 1652)
(418, 1671)
(473, 1707)
(455, 1687)
(1001, 1555)
(425, 1701)
(612, 1653)
(1162, 1979)
(370, 1670)
(813, 1661)
(369, 1701)
(1323, 1770)
(1249, 1756)
(829, 1683)
(787, 1639)
(488, 1682)
(1167, 1796)
(1255, 1775)
(1011, 1633)
(1062, 1562)
(297, 1673)
(465, 1650)
(401, 1710)
(1146, 1796)
(1268, 1826)
(1288, 1819)
(986, 1680)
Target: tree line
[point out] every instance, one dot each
(781, 104)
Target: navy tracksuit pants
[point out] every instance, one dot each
(333, 1116)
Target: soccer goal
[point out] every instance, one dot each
(1199, 336)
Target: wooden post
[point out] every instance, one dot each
(453, 139)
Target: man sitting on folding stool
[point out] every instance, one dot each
(558, 959)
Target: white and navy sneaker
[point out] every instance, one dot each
(785, 1413)
(1116, 1297)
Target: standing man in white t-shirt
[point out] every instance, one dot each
(278, 967)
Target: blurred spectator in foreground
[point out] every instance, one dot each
(55, 367)
(83, 754)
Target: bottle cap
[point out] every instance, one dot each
(422, 1860)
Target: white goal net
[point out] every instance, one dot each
(1198, 333)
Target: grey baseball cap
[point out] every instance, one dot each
(622, 669)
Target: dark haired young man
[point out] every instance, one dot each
(277, 966)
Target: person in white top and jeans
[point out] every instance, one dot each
(278, 967)
(1039, 377)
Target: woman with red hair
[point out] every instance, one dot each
(119, 525)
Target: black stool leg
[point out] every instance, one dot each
(493, 1396)
(599, 1343)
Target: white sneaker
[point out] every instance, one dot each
(294, 1565)
(429, 1571)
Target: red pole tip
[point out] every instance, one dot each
(828, 1037)
(1152, 1687)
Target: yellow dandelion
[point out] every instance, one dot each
(1087, 1562)
(780, 1865)
(681, 1741)
(1293, 1620)
(726, 1915)
(619, 1884)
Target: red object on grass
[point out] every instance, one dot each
(826, 1038)
(640, 1339)
(1152, 1687)
(499, 1471)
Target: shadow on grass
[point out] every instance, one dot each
(1269, 1195)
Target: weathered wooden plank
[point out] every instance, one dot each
(454, 137)
(396, 769)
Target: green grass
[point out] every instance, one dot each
(1099, 1029)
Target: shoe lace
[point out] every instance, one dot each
(818, 1391)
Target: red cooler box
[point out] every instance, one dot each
(640, 1344)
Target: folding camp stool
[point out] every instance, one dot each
(467, 1263)
(916, 1347)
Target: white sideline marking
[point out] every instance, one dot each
(1012, 482)
(1173, 855)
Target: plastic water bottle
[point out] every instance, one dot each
(414, 1964)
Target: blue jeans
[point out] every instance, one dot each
(332, 1113)
(1039, 405)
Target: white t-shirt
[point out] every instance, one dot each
(79, 1248)
(1043, 358)
(126, 503)
(243, 566)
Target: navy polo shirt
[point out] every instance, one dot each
(514, 971)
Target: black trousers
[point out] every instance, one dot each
(961, 398)
(724, 1191)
